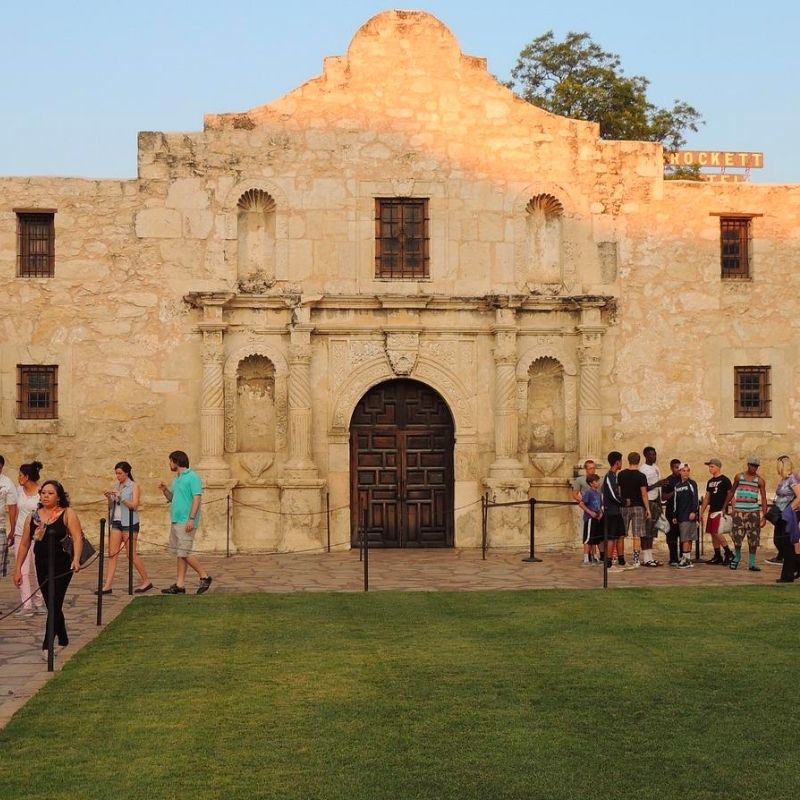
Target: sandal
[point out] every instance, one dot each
(650, 564)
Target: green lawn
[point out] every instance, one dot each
(663, 693)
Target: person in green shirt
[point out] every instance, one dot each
(184, 497)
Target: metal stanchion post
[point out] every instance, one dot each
(51, 599)
(101, 563)
(605, 552)
(366, 552)
(532, 556)
(328, 517)
(130, 551)
(484, 524)
(697, 541)
(228, 529)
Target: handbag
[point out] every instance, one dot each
(87, 548)
(773, 514)
(726, 524)
(662, 524)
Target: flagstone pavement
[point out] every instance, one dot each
(23, 673)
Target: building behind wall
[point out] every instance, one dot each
(400, 285)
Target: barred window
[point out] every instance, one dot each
(752, 392)
(401, 238)
(36, 241)
(735, 246)
(37, 391)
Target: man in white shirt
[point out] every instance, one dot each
(8, 516)
(653, 474)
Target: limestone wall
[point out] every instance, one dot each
(568, 282)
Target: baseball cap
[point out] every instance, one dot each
(715, 461)
(683, 465)
(754, 460)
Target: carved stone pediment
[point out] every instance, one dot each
(402, 350)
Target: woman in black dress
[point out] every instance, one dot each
(54, 518)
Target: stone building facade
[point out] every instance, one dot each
(392, 290)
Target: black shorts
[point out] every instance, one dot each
(117, 526)
(592, 531)
(615, 525)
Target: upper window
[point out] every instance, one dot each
(37, 392)
(734, 235)
(36, 241)
(752, 392)
(401, 238)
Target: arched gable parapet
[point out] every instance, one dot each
(240, 189)
(426, 370)
(555, 350)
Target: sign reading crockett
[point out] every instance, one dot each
(714, 158)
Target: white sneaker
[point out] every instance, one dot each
(40, 610)
(24, 612)
(684, 563)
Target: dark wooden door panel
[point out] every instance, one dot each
(402, 466)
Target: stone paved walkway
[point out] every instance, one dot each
(23, 673)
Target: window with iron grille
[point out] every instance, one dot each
(401, 238)
(36, 241)
(37, 391)
(752, 392)
(735, 246)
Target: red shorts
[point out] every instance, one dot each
(713, 523)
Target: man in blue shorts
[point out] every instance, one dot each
(184, 498)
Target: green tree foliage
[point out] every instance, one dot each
(576, 78)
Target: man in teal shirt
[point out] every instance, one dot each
(184, 498)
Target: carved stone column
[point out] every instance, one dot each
(212, 467)
(300, 462)
(590, 437)
(506, 431)
(212, 404)
(301, 491)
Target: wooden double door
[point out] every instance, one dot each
(401, 466)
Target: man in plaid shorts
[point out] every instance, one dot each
(635, 506)
(748, 499)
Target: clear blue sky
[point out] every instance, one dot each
(80, 79)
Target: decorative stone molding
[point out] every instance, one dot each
(402, 350)
(363, 377)
(256, 464)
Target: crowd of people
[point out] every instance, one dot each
(36, 520)
(637, 502)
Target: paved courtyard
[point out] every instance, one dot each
(23, 673)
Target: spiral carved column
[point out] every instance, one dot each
(212, 404)
(300, 460)
(590, 440)
(506, 416)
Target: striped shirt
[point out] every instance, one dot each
(746, 497)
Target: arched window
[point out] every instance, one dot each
(546, 406)
(545, 216)
(255, 405)
(256, 234)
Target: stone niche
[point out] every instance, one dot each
(256, 234)
(546, 422)
(255, 405)
(544, 217)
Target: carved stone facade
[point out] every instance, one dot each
(227, 302)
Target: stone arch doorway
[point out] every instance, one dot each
(401, 466)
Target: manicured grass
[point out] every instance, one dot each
(663, 693)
